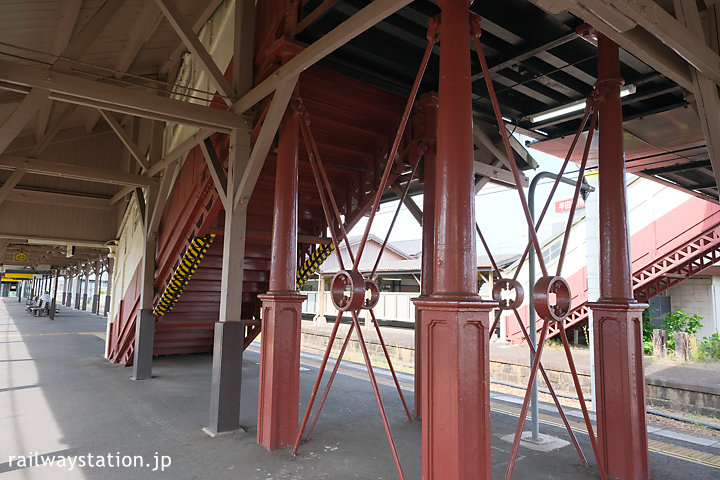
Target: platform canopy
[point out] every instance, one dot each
(76, 76)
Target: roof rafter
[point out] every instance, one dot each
(125, 139)
(200, 54)
(43, 167)
(97, 93)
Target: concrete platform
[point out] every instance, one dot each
(59, 397)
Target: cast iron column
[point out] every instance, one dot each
(78, 287)
(617, 317)
(86, 287)
(53, 303)
(425, 124)
(108, 292)
(97, 268)
(69, 288)
(282, 306)
(66, 277)
(455, 321)
(67, 301)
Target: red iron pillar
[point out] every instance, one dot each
(425, 121)
(617, 317)
(455, 321)
(281, 309)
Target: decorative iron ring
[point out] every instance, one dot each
(508, 284)
(351, 298)
(373, 297)
(547, 287)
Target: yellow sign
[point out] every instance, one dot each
(9, 280)
(19, 275)
(21, 257)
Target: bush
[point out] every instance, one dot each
(681, 321)
(709, 348)
(648, 328)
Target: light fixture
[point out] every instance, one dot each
(574, 107)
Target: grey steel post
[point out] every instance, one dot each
(534, 421)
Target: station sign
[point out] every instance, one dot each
(566, 205)
(19, 276)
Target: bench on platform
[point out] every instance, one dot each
(42, 309)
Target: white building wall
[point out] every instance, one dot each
(648, 201)
(697, 295)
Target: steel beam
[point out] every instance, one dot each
(125, 139)
(90, 174)
(216, 171)
(99, 94)
(142, 30)
(21, 116)
(198, 51)
(10, 184)
(263, 143)
(169, 69)
(409, 203)
(171, 157)
(495, 173)
(615, 25)
(686, 43)
(705, 90)
(243, 45)
(366, 18)
(65, 113)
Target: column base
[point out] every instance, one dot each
(144, 344)
(455, 370)
(226, 377)
(279, 387)
(417, 384)
(620, 388)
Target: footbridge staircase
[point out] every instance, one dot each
(674, 247)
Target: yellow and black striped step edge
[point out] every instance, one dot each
(312, 264)
(184, 272)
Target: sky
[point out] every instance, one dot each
(497, 209)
